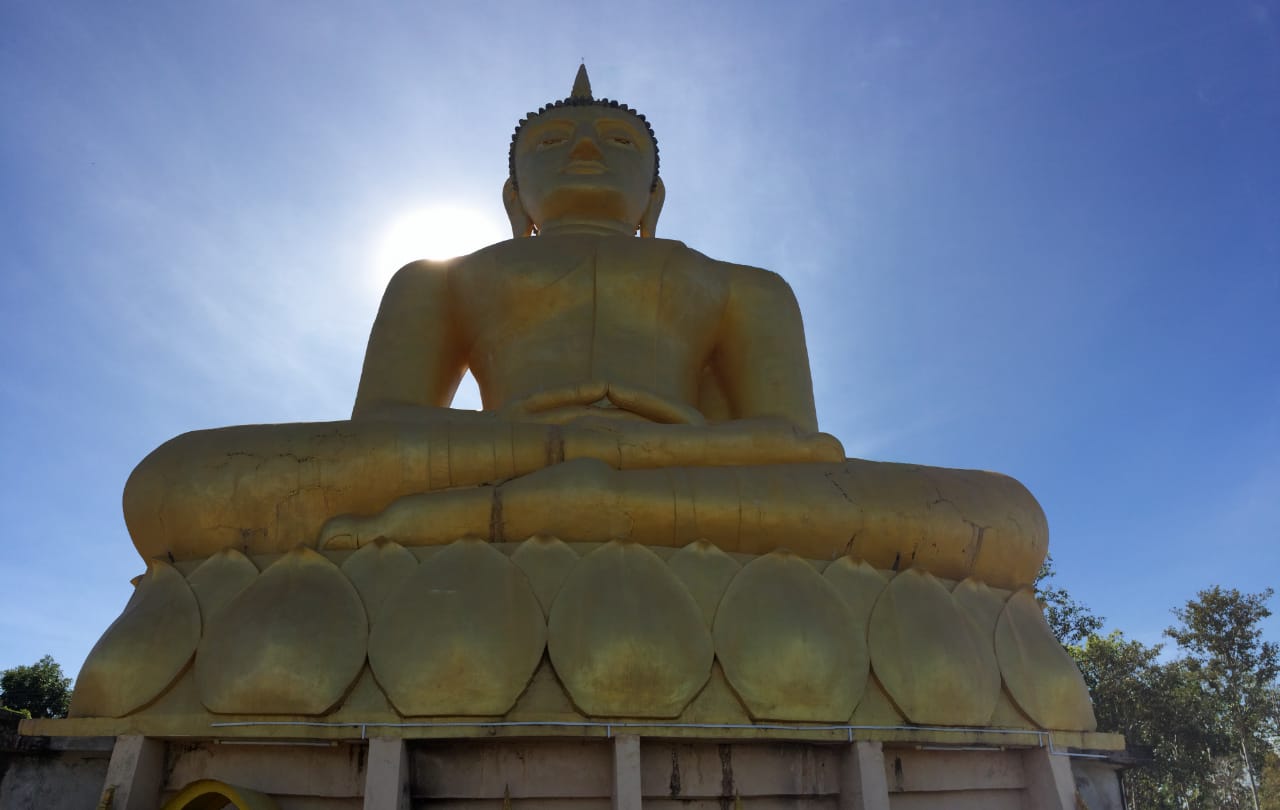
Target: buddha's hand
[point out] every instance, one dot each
(630, 445)
(573, 402)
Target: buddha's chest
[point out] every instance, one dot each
(607, 291)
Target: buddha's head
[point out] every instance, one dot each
(583, 163)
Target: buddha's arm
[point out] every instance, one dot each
(417, 353)
(760, 358)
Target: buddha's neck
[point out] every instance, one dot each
(586, 227)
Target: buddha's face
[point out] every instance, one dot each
(586, 162)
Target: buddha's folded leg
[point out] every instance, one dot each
(953, 523)
(265, 488)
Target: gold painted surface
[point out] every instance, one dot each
(952, 523)
(982, 604)
(854, 582)
(705, 571)
(546, 561)
(290, 643)
(859, 585)
(378, 570)
(144, 650)
(876, 708)
(544, 698)
(783, 635)
(1043, 680)
(626, 638)
(929, 656)
(633, 389)
(212, 794)
(716, 703)
(364, 703)
(219, 579)
(178, 706)
(1008, 715)
(461, 636)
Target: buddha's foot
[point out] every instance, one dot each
(427, 519)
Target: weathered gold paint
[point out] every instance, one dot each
(788, 643)
(859, 585)
(1038, 673)
(1008, 715)
(716, 703)
(929, 656)
(219, 579)
(546, 561)
(365, 702)
(634, 390)
(875, 708)
(544, 698)
(144, 650)
(461, 636)
(982, 604)
(705, 571)
(626, 638)
(292, 642)
(378, 570)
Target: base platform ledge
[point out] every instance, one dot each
(280, 728)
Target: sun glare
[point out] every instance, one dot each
(439, 232)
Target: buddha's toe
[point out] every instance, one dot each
(342, 532)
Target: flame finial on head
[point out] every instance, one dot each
(581, 84)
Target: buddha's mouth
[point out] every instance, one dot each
(585, 167)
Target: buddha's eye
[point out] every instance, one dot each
(622, 139)
(551, 140)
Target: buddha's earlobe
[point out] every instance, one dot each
(521, 225)
(649, 221)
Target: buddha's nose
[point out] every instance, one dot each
(586, 149)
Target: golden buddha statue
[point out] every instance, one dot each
(633, 389)
(643, 521)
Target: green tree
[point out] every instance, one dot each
(1220, 634)
(1211, 717)
(1156, 705)
(1071, 621)
(40, 688)
(1269, 782)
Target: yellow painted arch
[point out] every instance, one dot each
(210, 794)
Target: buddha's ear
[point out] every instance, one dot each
(521, 225)
(649, 221)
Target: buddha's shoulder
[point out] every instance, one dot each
(423, 276)
(671, 254)
(743, 276)
(546, 248)
(538, 248)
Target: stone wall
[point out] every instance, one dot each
(52, 773)
(624, 772)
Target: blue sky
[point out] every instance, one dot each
(1038, 238)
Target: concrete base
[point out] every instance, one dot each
(623, 771)
(52, 773)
